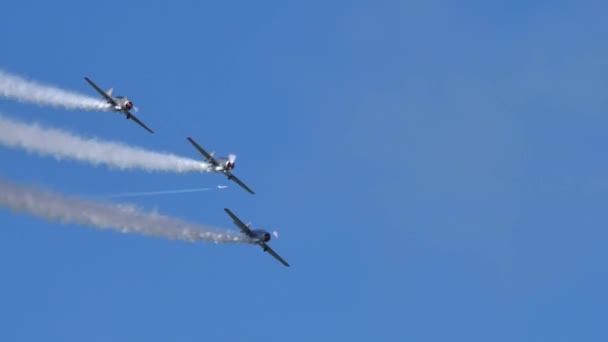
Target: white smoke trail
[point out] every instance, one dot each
(60, 144)
(154, 193)
(118, 217)
(23, 90)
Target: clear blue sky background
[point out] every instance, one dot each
(436, 169)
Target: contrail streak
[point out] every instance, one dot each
(24, 90)
(63, 145)
(118, 217)
(154, 193)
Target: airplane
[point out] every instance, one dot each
(119, 104)
(258, 236)
(221, 165)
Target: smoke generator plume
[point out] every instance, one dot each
(23, 90)
(64, 145)
(156, 193)
(118, 217)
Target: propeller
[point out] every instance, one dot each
(230, 163)
(232, 158)
(276, 234)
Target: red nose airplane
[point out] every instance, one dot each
(221, 165)
(119, 104)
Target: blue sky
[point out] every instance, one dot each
(435, 170)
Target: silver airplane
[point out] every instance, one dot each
(119, 104)
(258, 236)
(221, 165)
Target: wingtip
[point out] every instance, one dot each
(228, 212)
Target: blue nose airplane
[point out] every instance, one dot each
(258, 236)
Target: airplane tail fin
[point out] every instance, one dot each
(109, 92)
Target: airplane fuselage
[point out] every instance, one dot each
(260, 235)
(122, 104)
(224, 165)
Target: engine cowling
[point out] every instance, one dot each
(261, 235)
(129, 105)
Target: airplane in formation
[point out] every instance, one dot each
(258, 236)
(221, 165)
(120, 104)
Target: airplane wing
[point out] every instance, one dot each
(134, 118)
(273, 253)
(238, 181)
(239, 223)
(203, 152)
(103, 93)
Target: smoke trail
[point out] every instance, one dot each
(118, 217)
(23, 90)
(154, 193)
(60, 144)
